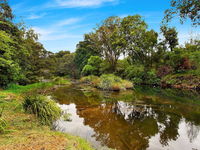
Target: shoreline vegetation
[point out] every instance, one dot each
(22, 127)
(107, 82)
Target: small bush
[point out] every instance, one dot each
(107, 82)
(112, 82)
(44, 108)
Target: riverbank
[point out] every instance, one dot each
(24, 132)
(111, 82)
(181, 81)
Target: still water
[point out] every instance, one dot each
(143, 118)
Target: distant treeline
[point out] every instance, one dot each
(121, 46)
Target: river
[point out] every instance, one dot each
(143, 118)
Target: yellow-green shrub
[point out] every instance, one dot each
(107, 82)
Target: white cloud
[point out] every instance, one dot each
(49, 34)
(82, 3)
(33, 16)
(68, 21)
(42, 31)
(57, 30)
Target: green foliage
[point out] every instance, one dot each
(18, 89)
(140, 75)
(9, 69)
(151, 78)
(45, 109)
(171, 36)
(135, 73)
(64, 64)
(121, 68)
(93, 66)
(89, 70)
(84, 51)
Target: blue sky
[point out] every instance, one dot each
(62, 23)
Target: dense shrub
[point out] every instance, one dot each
(135, 73)
(44, 108)
(121, 68)
(89, 70)
(151, 78)
(93, 66)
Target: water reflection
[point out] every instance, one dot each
(130, 120)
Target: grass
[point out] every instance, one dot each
(108, 82)
(61, 81)
(45, 109)
(18, 89)
(24, 131)
(3, 125)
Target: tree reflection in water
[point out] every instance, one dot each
(129, 120)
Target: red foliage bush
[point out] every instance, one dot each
(164, 70)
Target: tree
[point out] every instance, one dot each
(9, 68)
(65, 64)
(108, 42)
(170, 36)
(137, 41)
(184, 9)
(85, 49)
(5, 11)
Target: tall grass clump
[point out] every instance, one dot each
(114, 83)
(45, 109)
